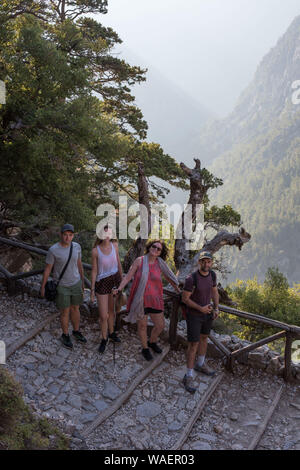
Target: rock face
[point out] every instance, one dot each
(255, 150)
(15, 260)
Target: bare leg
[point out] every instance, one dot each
(191, 354)
(75, 316)
(103, 314)
(64, 320)
(142, 331)
(202, 345)
(159, 324)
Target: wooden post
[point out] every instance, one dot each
(229, 363)
(10, 282)
(288, 357)
(11, 287)
(220, 346)
(173, 323)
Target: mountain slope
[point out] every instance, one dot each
(266, 99)
(256, 150)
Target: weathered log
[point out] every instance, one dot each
(261, 319)
(220, 346)
(185, 434)
(6, 273)
(33, 249)
(23, 245)
(262, 427)
(174, 323)
(28, 274)
(221, 239)
(103, 415)
(13, 347)
(258, 344)
(225, 238)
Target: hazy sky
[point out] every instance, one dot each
(209, 48)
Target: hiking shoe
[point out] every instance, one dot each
(79, 336)
(155, 347)
(102, 346)
(66, 341)
(114, 337)
(189, 384)
(205, 370)
(147, 354)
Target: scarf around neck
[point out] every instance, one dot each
(137, 306)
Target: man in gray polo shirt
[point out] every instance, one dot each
(199, 290)
(71, 286)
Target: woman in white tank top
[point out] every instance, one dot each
(106, 274)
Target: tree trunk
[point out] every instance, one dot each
(200, 182)
(138, 247)
(197, 192)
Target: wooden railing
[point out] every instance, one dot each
(289, 332)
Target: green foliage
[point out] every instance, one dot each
(222, 216)
(70, 133)
(261, 178)
(273, 299)
(10, 399)
(276, 281)
(19, 429)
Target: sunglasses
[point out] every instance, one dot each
(156, 247)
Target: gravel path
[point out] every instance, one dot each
(72, 387)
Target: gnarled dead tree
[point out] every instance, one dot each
(200, 182)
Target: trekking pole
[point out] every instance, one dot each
(114, 344)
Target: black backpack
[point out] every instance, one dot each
(194, 276)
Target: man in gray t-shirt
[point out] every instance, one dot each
(58, 257)
(71, 286)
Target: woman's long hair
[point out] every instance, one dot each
(99, 240)
(164, 251)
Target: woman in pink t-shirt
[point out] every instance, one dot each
(153, 294)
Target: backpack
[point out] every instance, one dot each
(184, 307)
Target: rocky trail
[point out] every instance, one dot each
(78, 390)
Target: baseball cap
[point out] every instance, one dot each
(205, 254)
(67, 227)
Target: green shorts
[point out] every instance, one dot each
(67, 296)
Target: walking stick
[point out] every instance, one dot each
(114, 344)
